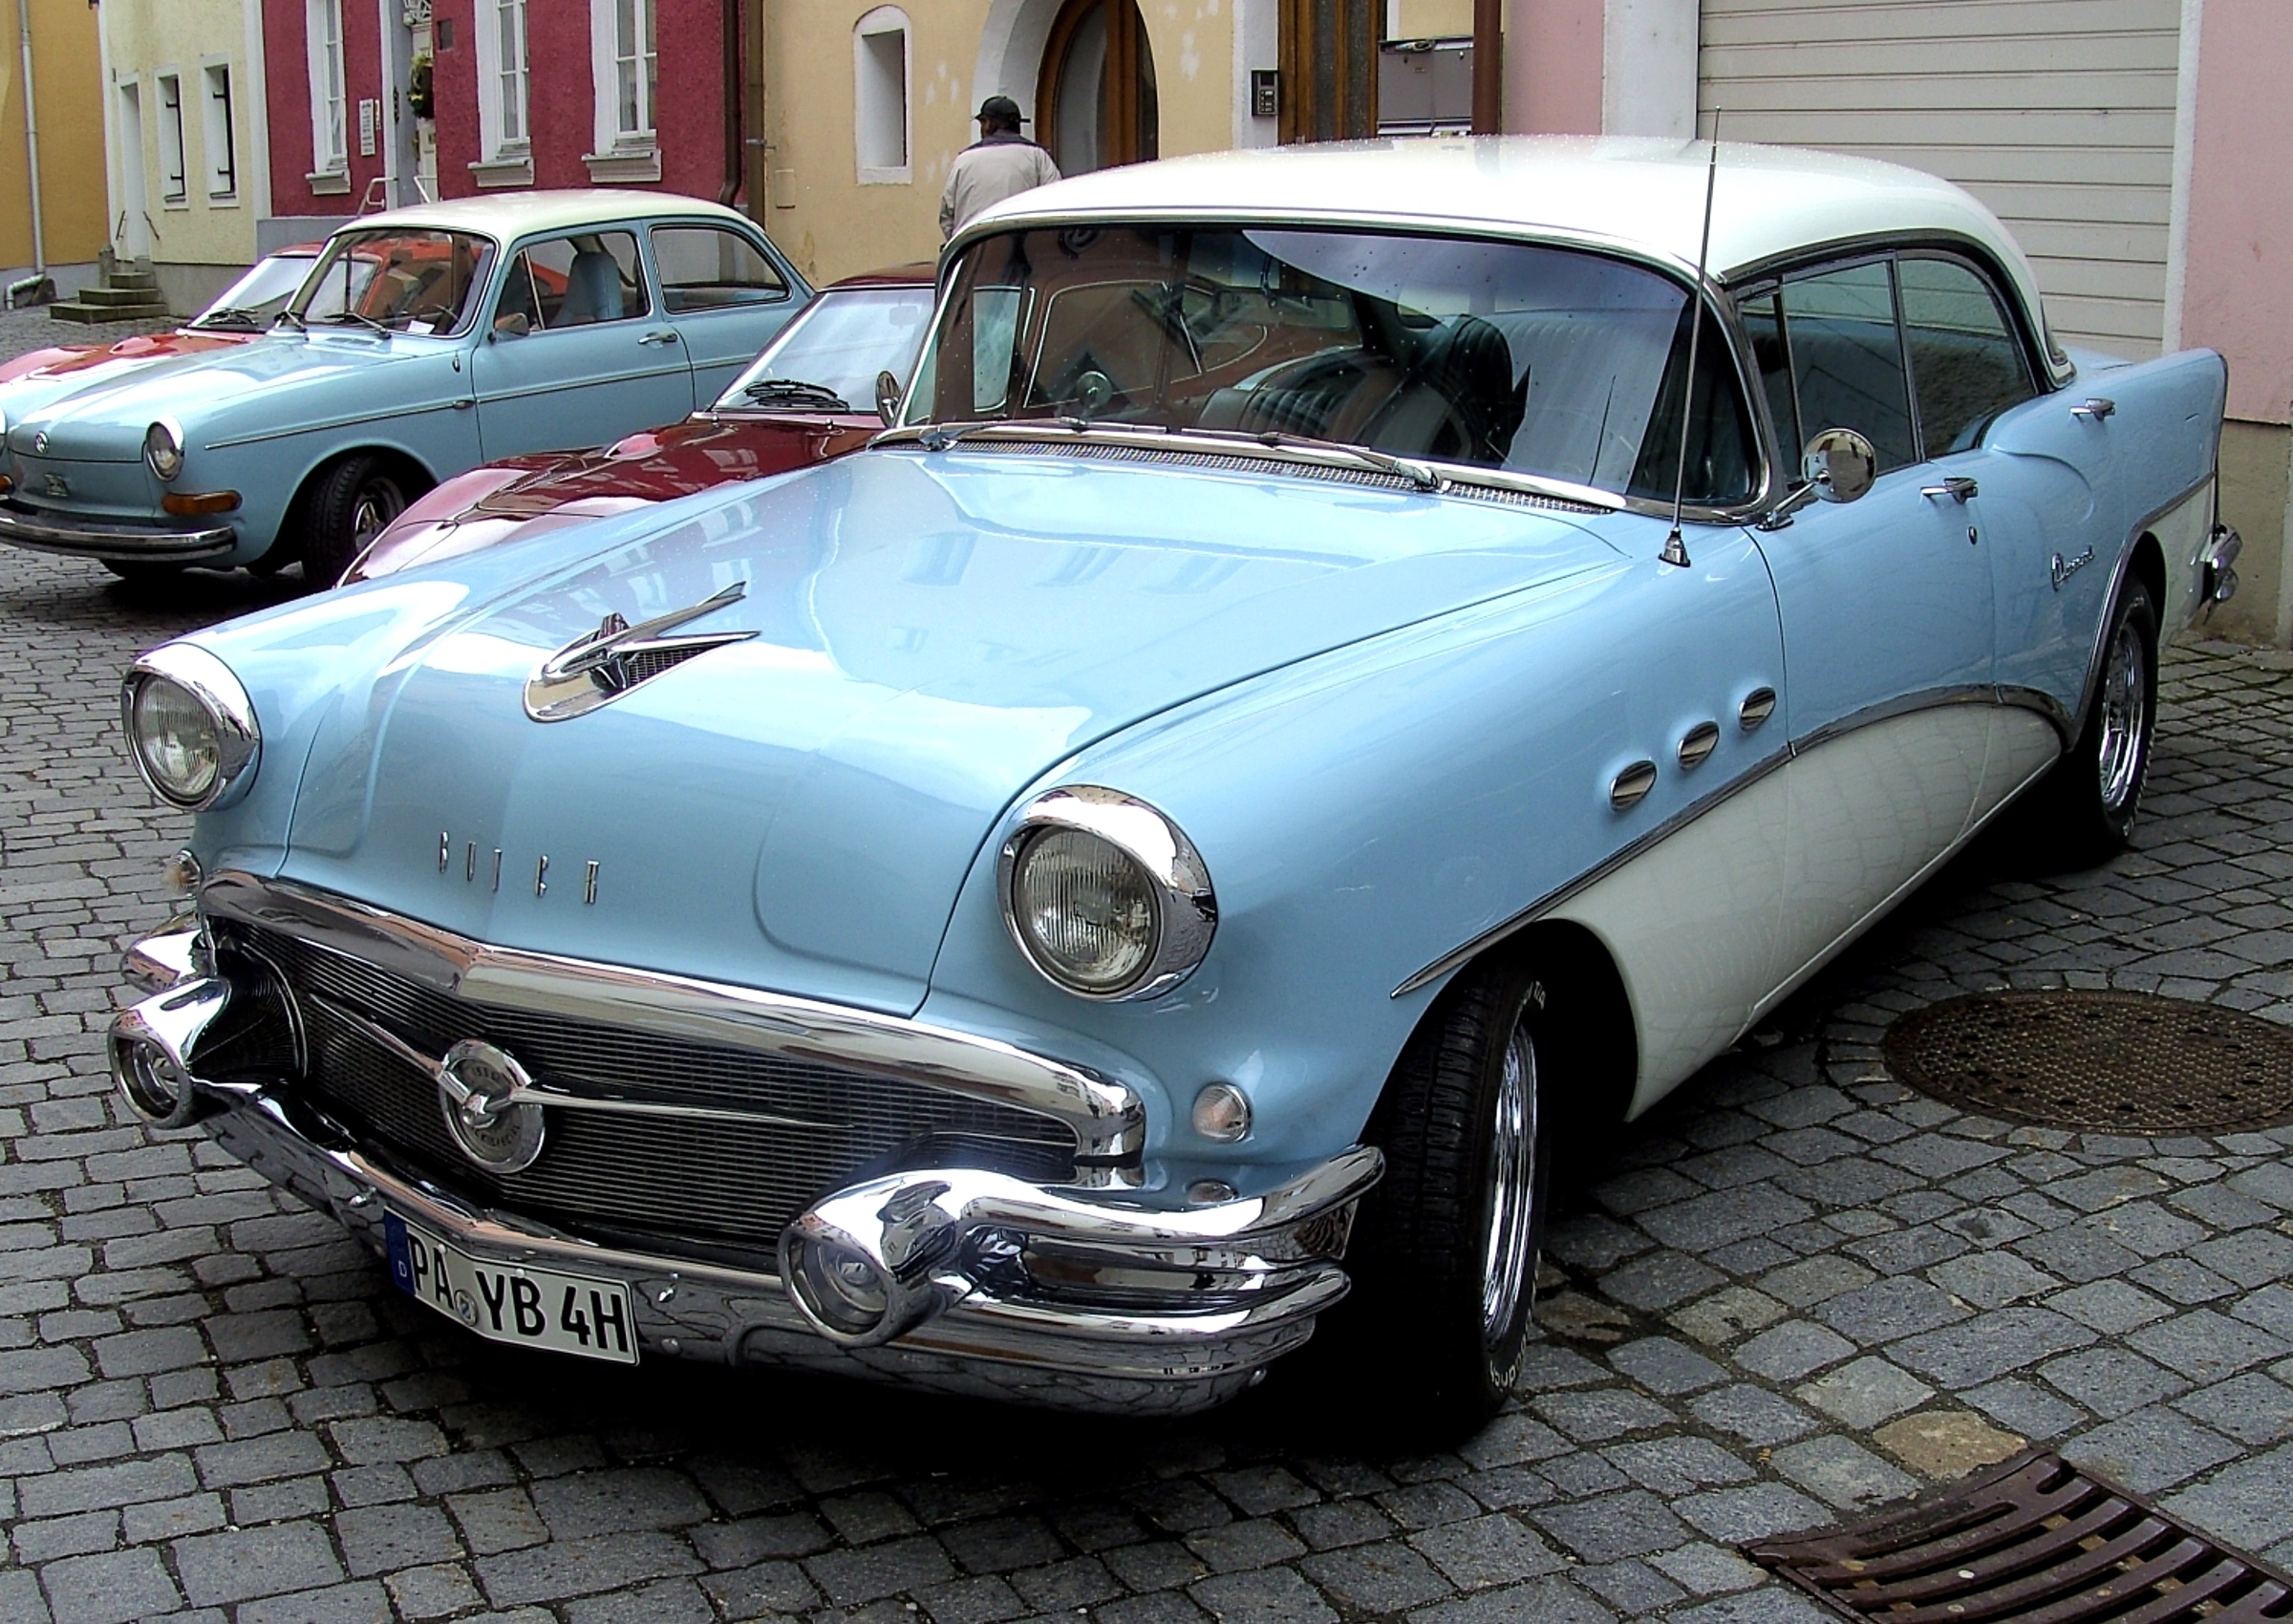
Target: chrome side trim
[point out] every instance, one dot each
(1458, 956)
(1107, 1117)
(126, 543)
(1963, 694)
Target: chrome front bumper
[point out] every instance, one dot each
(991, 1285)
(27, 528)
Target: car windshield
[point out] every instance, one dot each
(254, 301)
(828, 358)
(1539, 360)
(403, 280)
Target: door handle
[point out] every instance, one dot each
(1959, 487)
(2094, 407)
(668, 337)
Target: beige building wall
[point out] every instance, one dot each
(68, 102)
(200, 241)
(834, 220)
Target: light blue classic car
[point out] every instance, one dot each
(423, 342)
(1317, 700)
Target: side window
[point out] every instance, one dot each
(1847, 357)
(704, 268)
(1722, 454)
(575, 281)
(1764, 321)
(1965, 361)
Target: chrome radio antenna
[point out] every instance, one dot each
(1676, 550)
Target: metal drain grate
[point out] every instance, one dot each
(2036, 1541)
(2116, 1062)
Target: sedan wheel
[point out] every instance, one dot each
(2083, 813)
(1445, 1253)
(345, 507)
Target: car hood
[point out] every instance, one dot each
(929, 636)
(204, 389)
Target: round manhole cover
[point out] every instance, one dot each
(2101, 1062)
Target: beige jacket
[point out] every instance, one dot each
(1000, 166)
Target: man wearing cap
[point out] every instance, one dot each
(1002, 164)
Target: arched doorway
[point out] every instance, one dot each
(1095, 101)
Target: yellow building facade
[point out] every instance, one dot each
(66, 105)
(186, 136)
(864, 106)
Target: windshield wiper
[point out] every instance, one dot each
(343, 319)
(789, 391)
(234, 317)
(1418, 474)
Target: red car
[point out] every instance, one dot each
(241, 311)
(811, 395)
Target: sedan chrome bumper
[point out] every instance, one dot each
(973, 1281)
(28, 528)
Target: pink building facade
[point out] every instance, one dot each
(376, 103)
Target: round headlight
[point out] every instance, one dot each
(1086, 907)
(191, 727)
(1104, 895)
(163, 450)
(175, 740)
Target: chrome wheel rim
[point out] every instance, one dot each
(371, 515)
(1511, 1190)
(2125, 716)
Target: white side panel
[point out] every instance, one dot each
(2058, 114)
(2182, 535)
(1696, 926)
(2023, 744)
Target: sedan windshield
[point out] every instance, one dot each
(404, 281)
(1539, 360)
(828, 358)
(254, 301)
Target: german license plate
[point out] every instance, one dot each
(533, 1308)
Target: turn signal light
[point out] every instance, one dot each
(7, 484)
(185, 505)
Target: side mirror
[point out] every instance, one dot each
(1840, 464)
(512, 326)
(887, 398)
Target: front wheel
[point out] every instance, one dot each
(347, 507)
(1445, 1254)
(2088, 805)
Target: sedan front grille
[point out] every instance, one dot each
(712, 1184)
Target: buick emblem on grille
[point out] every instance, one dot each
(470, 866)
(478, 1089)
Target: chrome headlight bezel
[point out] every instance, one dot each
(163, 450)
(230, 713)
(1178, 880)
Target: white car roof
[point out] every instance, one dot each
(509, 215)
(1645, 196)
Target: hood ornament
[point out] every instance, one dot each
(598, 668)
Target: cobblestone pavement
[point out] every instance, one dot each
(1797, 1290)
(32, 328)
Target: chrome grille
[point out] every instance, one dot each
(712, 1183)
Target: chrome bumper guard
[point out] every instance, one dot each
(2217, 576)
(28, 528)
(958, 1280)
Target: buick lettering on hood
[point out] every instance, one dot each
(1314, 703)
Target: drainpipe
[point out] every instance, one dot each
(36, 286)
(736, 149)
(1489, 67)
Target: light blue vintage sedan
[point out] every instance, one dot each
(1335, 682)
(424, 342)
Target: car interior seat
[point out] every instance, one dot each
(592, 289)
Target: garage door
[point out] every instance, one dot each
(2058, 114)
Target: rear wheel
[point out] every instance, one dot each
(1445, 1254)
(347, 507)
(2085, 809)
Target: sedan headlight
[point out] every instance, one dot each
(191, 727)
(163, 449)
(1106, 896)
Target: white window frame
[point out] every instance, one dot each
(329, 106)
(167, 130)
(504, 159)
(218, 130)
(606, 60)
(869, 107)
